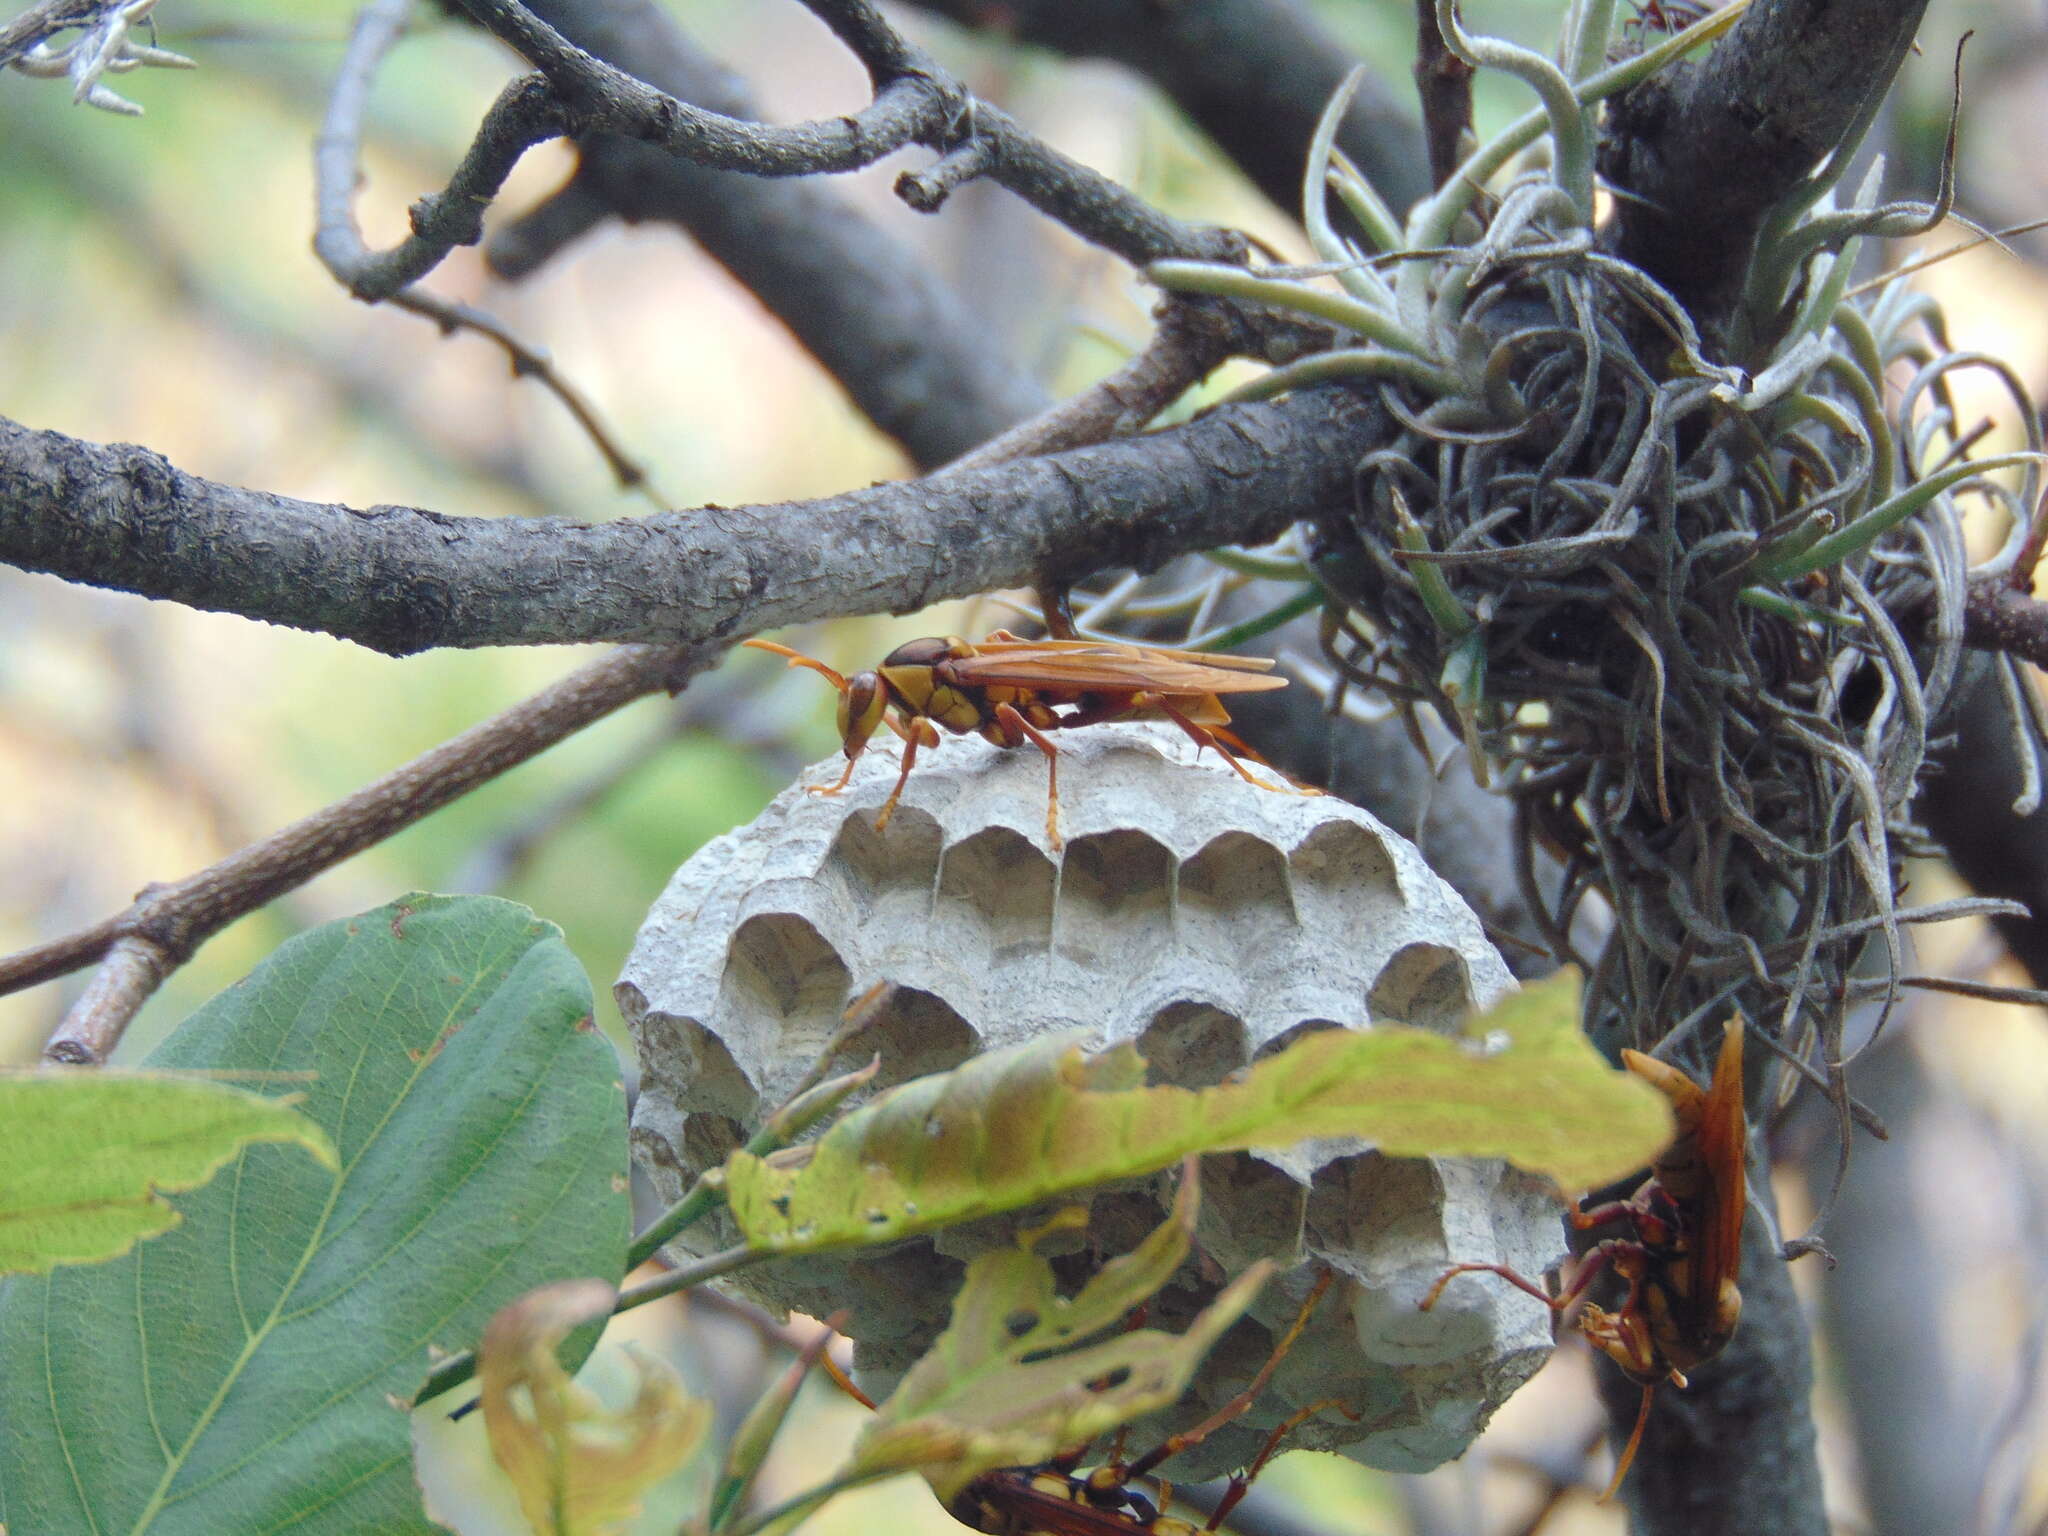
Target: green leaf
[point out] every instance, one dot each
(250, 1371)
(1018, 1126)
(88, 1157)
(1011, 1382)
(1857, 537)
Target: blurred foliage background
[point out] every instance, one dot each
(157, 286)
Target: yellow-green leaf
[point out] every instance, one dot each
(1013, 1382)
(579, 1468)
(1014, 1127)
(86, 1157)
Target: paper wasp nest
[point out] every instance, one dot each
(1204, 918)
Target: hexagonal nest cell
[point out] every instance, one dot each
(1204, 918)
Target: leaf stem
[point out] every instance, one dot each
(456, 1369)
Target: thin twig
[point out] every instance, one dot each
(134, 967)
(1189, 344)
(577, 94)
(977, 139)
(910, 349)
(530, 362)
(1444, 81)
(168, 923)
(339, 241)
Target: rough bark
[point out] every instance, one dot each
(404, 579)
(1705, 149)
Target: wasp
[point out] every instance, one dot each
(1051, 1499)
(1012, 691)
(1679, 1249)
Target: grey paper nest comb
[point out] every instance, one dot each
(1204, 918)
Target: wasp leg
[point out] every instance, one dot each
(1019, 731)
(920, 732)
(853, 757)
(1056, 608)
(1595, 1260)
(1174, 1444)
(1228, 745)
(833, 789)
(1624, 1254)
(1241, 1482)
(1628, 1452)
(1601, 1215)
(1243, 748)
(1513, 1277)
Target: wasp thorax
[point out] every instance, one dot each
(860, 710)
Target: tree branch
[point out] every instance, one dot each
(915, 102)
(914, 357)
(1703, 152)
(1969, 808)
(1444, 82)
(1704, 149)
(577, 94)
(1252, 74)
(403, 579)
(338, 241)
(40, 22)
(581, 95)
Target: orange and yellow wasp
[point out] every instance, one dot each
(1013, 691)
(1680, 1252)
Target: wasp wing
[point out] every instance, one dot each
(1087, 666)
(1723, 1152)
(1221, 659)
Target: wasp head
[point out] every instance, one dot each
(861, 706)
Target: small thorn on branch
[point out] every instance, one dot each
(927, 190)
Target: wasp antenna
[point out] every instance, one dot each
(845, 1383)
(799, 659)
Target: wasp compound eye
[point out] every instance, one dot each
(860, 710)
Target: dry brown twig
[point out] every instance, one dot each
(138, 948)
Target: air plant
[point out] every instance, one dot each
(1695, 601)
(106, 44)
